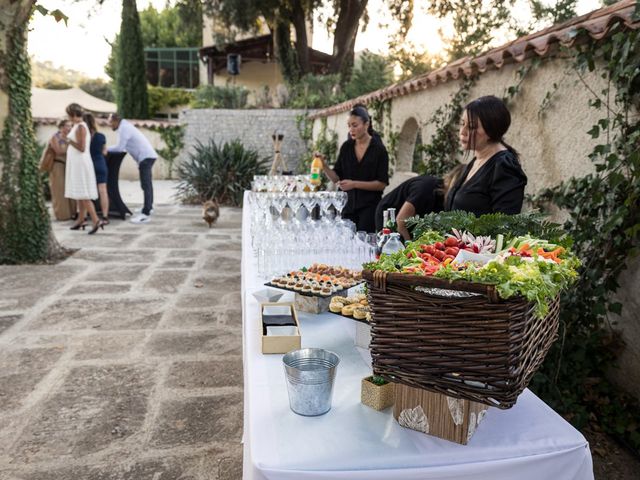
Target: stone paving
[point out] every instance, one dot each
(125, 360)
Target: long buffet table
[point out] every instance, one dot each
(355, 442)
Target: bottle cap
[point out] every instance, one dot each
(386, 231)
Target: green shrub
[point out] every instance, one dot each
(218, 172)
(316, 91)
(161, 97)
(211, 96)
(98, 88)
(371, 73)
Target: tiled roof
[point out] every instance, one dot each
(102, 122)
(597, 25)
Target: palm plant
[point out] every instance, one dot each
(219, 172)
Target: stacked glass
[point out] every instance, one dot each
(285, 236)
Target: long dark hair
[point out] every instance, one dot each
(90, 120)
(495, 118)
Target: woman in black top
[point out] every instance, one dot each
(493, 181)
(362, 170)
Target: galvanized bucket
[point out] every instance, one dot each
(310, 373)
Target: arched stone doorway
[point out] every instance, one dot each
(407, 145)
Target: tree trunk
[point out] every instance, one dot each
(25, 227)
(346, 30)
(302, 44)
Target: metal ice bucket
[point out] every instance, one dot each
(310, 373)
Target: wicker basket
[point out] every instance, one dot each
(457, 338)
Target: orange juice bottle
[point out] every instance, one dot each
(316, 168)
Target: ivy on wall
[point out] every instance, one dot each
(442, 152)
(604, 221)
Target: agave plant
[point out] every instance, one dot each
(217, 172)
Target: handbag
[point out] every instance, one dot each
(47, 159)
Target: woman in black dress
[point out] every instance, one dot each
(493, 181)
(362, 170)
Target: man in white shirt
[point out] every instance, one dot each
(131, 140)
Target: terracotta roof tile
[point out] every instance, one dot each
(597, 25)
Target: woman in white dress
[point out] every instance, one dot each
(80, 178)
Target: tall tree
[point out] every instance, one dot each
(131, 77)
(25, 227)
(174, 26)
(282, 16)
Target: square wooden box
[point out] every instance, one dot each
(436, 414)
(280, 343)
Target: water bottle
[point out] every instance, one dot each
(393, 245)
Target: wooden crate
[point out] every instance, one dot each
(437, 414)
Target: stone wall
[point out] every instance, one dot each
(252, 127)
(553, 144)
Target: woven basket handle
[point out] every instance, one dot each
(382, 279)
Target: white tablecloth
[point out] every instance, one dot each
(352, 441)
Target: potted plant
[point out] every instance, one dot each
(376, 392)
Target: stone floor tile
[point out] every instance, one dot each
(94, 409)
(192, 343)
(107, 346)
(178, 263)
(7, 321)
(170, 240)
(165, 281)
(218, 300)
(120, 256)
(17, 284)
(115, 273)
(96, 288)
(206, 374)
(21, 370)
(100, 313)
(199, 420)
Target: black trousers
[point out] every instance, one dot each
(146, 183)
(364, 218)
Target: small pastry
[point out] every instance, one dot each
(368, 317)
(335, 307)
(298, 286)
(359, 313)
(326, 291)
(306, 289)
(347, 310)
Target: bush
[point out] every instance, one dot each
(98, 88)
(221, 173)
(316, 91)
(211, 96)
(161, 97)
(371, 73)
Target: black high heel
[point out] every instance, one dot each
(95, 228)
(78, 226)
(105, 220)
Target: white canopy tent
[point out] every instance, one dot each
(47, 103)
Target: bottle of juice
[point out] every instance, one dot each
(316, 169)
(391, 221)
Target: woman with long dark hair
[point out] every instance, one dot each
(98, 149)
(493, 181)
(362, 170)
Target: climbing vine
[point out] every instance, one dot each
(604, 221)
(25, 229)
(441, 153)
